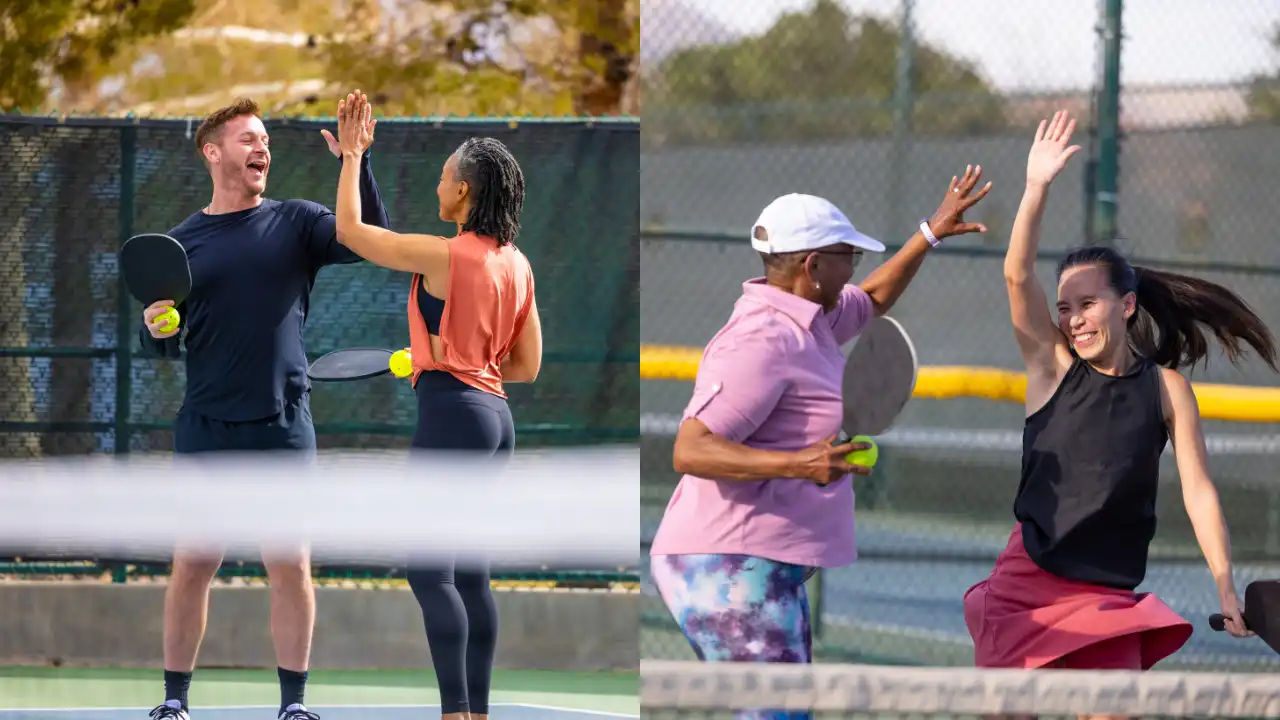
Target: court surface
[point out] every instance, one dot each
(123, 694)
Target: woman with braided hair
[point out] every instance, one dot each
(473, 327)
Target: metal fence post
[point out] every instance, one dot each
(903, 110)
(124, 308)
(1106, 197)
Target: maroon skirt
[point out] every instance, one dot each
(1022, 616)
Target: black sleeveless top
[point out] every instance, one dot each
(1090, 470)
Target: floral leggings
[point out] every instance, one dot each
(738, 608)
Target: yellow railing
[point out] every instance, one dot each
(1217, 402)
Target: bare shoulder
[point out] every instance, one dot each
(1177, 397)
(1174, 384)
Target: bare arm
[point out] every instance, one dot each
(408, 253)
(525, 360)
(426, 254)
(1044, 348)
(887, 283)
(700, 452)
(1199, 496)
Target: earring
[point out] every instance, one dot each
(817, 286)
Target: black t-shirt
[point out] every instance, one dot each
(1090, 471)
(252, 272)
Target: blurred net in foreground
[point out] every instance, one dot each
(86, 546)
(716, 690)
(574, 509)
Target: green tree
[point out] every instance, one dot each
(60, 47)
(416, 57)
(817, 75)
(478, 57)
(1264, 91)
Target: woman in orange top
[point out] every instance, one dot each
(473, 326)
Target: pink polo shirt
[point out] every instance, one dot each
(770, 379)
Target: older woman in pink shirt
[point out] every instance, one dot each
(766, 496)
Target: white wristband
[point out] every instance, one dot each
(928, 234)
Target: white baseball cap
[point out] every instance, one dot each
(799, 223)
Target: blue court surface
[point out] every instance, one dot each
(499, 711)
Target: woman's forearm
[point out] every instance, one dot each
(886, 283)
(1024, 241)
(348, 209)
(715, 458)
(1205, 512)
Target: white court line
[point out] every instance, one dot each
(371, 706)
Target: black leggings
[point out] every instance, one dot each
(457, 603)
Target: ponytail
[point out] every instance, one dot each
(1173, 312)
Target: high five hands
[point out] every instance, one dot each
(368, 123)
(949, 220)
(1051, 149)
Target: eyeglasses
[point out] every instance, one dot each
(855, 257)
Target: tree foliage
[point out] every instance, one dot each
(58, 48)
(415, 57)
(816, 75)
(1264, 92)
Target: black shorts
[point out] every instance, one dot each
(291, 429)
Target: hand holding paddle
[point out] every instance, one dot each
(1232, 618)
(157, 274)
(1261, 614)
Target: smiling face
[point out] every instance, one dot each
(1092, 315)
(240, 158)
(234, 145)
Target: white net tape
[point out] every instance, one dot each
(702, 688)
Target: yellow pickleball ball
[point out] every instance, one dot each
(865, 458)
(171, 320)
(401, 363)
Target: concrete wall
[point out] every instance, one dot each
(120, 625)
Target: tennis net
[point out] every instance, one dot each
(86, 573)
(692, 691)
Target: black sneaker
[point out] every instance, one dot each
(170, 710)
(296, 711)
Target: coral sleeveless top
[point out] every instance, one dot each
(489, 300)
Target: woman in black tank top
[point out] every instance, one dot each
(1103, 399)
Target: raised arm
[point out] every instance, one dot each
(887, 282)
(408, 253)
(323, 242)
(1182, 416)
(1044, 348)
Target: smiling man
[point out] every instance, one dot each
(253, 264)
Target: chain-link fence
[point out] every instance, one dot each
(745, 103)
(73, 380)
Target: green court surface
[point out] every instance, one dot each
(610, 693)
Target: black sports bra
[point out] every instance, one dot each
(431, 307)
